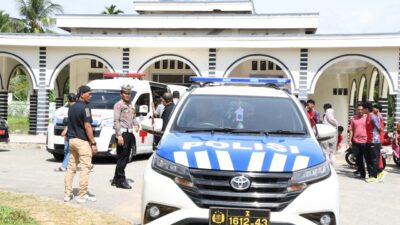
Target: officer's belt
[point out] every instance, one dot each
(126, 130)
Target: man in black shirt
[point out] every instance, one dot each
(168, 102)
(82, 145)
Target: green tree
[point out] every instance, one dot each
(10, 25)
(37, 14)
(112, 10)
(19, 85)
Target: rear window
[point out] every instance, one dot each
(105, 99)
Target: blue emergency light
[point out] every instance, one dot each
(241, 80)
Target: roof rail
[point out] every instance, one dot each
(276, 83)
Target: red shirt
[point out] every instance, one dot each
(358, 126)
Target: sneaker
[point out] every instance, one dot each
(371, 180)
(68, 198)
(381, 176)
(60, 169)
(86, 198)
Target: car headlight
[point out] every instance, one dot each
(312, 174)
(169, 168)
(107, 122)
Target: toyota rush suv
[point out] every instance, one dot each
(240, 154)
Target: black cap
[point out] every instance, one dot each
(83, 89)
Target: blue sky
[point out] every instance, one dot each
(336, 16)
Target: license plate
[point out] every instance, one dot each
(2, 132)
(233, 216)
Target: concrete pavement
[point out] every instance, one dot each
(29, 168)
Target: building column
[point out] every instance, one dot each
(59, 102)
(303, 74)
(125, 60)
(32, 113)
(212, 61)
(42, 95)
(3, 104)
(397, 108)
(384, 103)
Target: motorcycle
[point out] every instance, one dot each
(396, 153)
(388, 148)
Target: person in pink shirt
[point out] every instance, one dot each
(358, 138)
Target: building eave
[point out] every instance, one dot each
(197, 21)
(108, 41)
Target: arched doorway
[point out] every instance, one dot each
(74, 71)
(362, 75)
(170, 69)
(17, 78)
(259, 66)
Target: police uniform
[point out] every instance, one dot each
(124, 121)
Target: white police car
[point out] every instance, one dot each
(239, 155)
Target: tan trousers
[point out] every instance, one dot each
(80, 153)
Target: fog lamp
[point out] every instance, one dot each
(325, 219)
(154, 212)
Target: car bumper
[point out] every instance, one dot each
(316, 198)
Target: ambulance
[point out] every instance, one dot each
(240, 151)
(105, 93)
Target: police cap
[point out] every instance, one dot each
(126, 88)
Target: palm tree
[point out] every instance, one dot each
(112, 10)
(10, 25)
(36, 14)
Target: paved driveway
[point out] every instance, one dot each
(29, 169)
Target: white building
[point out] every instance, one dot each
(172, 40)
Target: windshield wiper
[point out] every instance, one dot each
(286, 132)
(228, 130)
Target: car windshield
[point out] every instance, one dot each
(105, 99)
(250, 114)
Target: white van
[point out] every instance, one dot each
(105, 93)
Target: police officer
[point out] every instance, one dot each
(124, 125)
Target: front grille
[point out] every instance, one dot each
(267, 190)
(58, 147)
(58, 131)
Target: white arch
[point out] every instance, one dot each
(361, 87)
(374, 75)
(25, 65)
(69, 59)
(364, 58)
(385, 89)
(353, 92)
(262, 57)
(155, 59)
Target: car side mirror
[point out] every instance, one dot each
(153, 126)
(143, 110)
(324, 132)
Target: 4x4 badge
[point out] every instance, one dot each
(240, 183)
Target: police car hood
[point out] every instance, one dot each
(97, 115)
(241, 152)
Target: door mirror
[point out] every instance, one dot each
(152, 126)
(324, 132)
(143, 109)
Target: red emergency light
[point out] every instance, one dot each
(131, 75)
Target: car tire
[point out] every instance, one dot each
(350, 159)
(58, 157)
(396, 160)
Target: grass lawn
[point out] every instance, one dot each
(18, 124)
(11, 216)
(51, 212)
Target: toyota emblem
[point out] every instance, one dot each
(240, 183)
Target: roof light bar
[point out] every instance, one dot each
(243, 80)
(132, 75)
